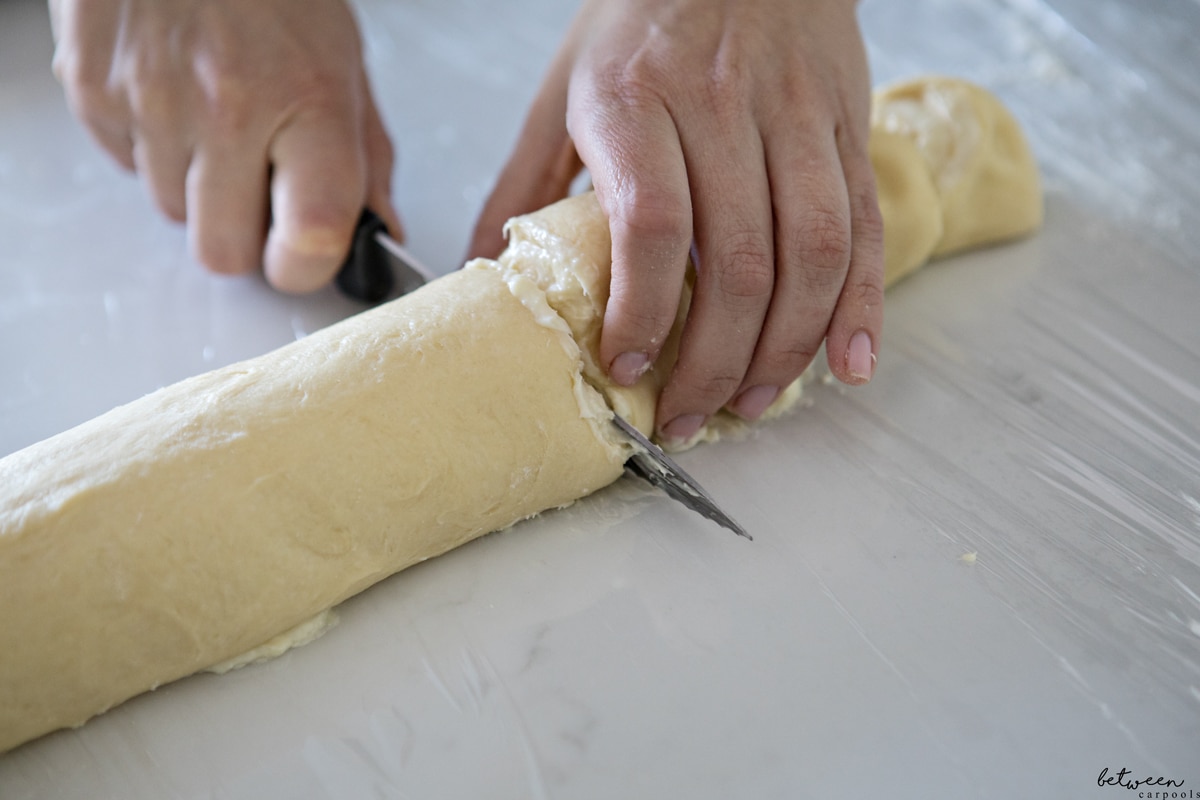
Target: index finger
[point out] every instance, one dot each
(632, 150)
(318, 189)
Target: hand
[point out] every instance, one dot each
(251, 121)
(737, 125)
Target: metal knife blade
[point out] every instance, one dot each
(657, 468)
(377, 264)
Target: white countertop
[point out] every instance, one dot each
(1037, 405)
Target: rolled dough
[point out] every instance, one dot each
(194, 527)
(200, 521)
(953, 170)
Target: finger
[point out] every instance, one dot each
(227, 206)
(852, 347)
(86, 35)
(538, 172)
(812, 243)
(632, 150)
(163, 161)
(735, 275)
(318, 189)
(381, 160)
(162, 150)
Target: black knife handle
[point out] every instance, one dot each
(366, 275)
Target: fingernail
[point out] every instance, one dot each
(751, 403)
(860, 361)
(682, 427)
(628, 367)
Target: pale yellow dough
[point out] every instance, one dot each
(953, 171)
(214, 522)
(197, 523)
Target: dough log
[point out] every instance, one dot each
(200, 521)
(206, 519)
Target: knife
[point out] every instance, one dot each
(377, 264)
(657, 468)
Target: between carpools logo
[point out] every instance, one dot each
(1151, 788)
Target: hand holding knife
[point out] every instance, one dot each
(377, 262)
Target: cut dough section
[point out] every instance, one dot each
(977, 162)
(908, 201)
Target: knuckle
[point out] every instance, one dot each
(726, 92)
(146, 65)
(795, 88)
(317, 89)
(227, 123)
(152, 104)
(866, 293)
(747, 271)
(820, 241)
(868, 219)
(709, 389)
(150, 87)
(229, 107)
(69, 70)
(90, 98)
(78, 74)
(94, 108)
(214, 48)
(650, 211)
(644, 323)
(786, 363)
(718, 387)
(634, 83)
(225, 96)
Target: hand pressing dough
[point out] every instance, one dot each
(952, 171)
(196, 526)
